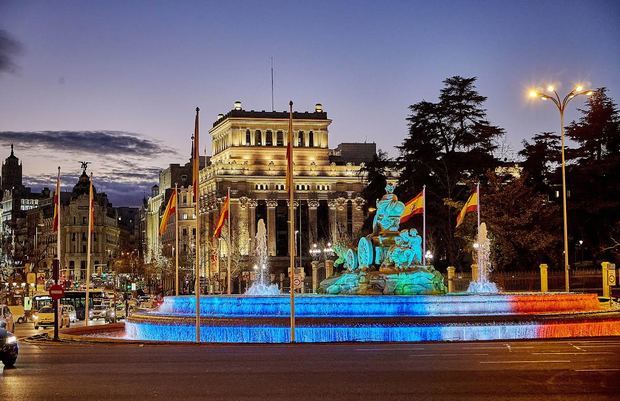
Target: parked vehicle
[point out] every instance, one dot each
(45, 318)
(8, 348)
(6, 319)
(70, 310)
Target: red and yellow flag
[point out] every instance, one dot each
(56, 221)
(413, 207)
(222, 219)
(56, 206)
(91, 205)
(170, 209)
(470, 206)
(196, 157)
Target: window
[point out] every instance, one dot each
(258, 138)
(83, 219)
(194, 234)
(73, 237)
(280, 139)
(185, 232)
(300, 139)
(184, 216)
(248, 137)
(268, 138)
(311, 139)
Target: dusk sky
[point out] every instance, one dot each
(116, 82)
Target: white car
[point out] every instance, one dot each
(98, 312)
(70, 311)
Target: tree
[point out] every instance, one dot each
(376, 172)
(541, 158)
(449, 143)
(598, 130)
(525, 229)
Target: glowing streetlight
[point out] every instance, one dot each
(561, 104)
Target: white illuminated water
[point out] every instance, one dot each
(483, 284)
(261, 285)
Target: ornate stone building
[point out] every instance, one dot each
(249, 157)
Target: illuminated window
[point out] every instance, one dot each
(268, 138)
(300, 139)
(248, 137)
(258, 138)
(280, 139)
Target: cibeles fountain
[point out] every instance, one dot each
(386, 293)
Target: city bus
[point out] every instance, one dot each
(75, 298)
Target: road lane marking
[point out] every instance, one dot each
(574, 353)
(448, 354)
(543, 361)
(598, 370)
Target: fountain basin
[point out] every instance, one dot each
(320, 318)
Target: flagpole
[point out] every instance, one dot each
(197, 210)
(176, 238)
(291, 218)
(228, 278)
(478, 208)
(424, 225)
(58, 235)
(88, 250)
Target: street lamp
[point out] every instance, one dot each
(561, 104)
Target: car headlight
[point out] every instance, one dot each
(35, 317)
(11, 340)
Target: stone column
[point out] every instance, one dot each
(358, 213)
(451, 274)
(315, 275)
(332, 219)
(329, 268)
(271, 226)
(313, 205)
(544, 285)
(252, 203)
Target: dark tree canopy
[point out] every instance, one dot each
(449, 142)
(540, 159)
(377, 172)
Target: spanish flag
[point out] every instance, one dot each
(170, 209)
(470, 206)
(91, 205)
(196, 157)
(413, 207)
(56, 221)
(222, 219)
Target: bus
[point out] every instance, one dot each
(75, 298)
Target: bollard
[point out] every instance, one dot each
(474, 272)
(607, 271)
(544, 281)
(451, 275)
(329, 268)
(315, 275)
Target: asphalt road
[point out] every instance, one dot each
(529, 370)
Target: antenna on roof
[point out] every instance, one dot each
(272, 107)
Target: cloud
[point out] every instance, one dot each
(9, 48)
(100, 143)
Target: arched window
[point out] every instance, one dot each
(280, 139)
(300, 139)
(269, 139)
(258, 138)
(248, 137)
(311, 139)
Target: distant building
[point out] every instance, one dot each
(355, 153)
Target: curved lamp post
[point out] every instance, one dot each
(561, 103)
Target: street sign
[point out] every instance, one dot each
(56, 291)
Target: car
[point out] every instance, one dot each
(45, 318)
(70, 310)
(18, 312)
(6, 318)
(116, 313)
(8, 348)
(98, 312)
